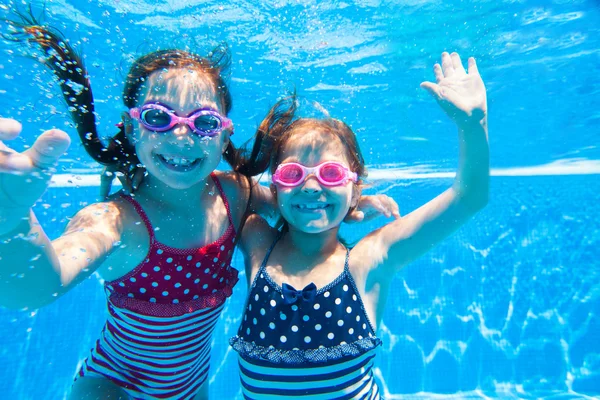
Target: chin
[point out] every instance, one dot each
(177, 183)
(313, 228)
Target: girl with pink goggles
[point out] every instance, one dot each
(329, 173)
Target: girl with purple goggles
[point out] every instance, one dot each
(203, 121)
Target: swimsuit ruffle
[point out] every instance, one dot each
(320, 355)
(212, 300)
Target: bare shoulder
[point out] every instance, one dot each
(232, 180)
(236, 186)
(237, 191)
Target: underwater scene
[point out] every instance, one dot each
(507, 306)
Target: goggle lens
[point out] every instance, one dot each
(290, 174)
(155, 118)
(331, 173)
(207, 123)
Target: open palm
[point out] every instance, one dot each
(461, 95)
(24, 176)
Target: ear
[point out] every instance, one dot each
(226, 142)
(356, 193)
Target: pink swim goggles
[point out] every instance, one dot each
(159, 118)
(329, 173)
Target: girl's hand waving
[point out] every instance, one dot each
(25, 176)
(461, 94)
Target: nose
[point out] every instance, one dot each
(311, 185)
(181, 134)
(180, 130)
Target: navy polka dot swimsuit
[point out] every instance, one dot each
(307, 342)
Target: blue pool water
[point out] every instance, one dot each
(508, 307)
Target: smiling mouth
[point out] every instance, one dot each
(311, 207)
(180, 164)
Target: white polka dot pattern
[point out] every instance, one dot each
(172, 277)
(334, 315)
(311, 333)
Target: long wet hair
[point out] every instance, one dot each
(68, 67)
(280, 126)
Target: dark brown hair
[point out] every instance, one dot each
(280, 125)
(74, 82)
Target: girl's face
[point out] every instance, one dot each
(178, 157)
(312, 207)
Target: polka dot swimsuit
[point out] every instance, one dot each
(171, 281)
(161, 315)
(285, 331)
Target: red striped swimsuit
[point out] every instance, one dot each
(161, 315)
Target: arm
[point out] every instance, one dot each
(463, 98)
(263, 201)
(35, 271)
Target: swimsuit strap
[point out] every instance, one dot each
(138, 208)
(264, 263)
(222, 194)
(346, 262)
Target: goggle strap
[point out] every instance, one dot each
(134, 113)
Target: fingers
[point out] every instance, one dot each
(127, 123)
(437, 71)
(126, 183)
(48, 148)
(9, 128)
(451, 65)
(473, 66)
(354, 216)
(106, 179)
(14, 163)
(385, 205)
(393, 207)
(447, 65)
(379, 205)
(457, 64)
(138, 176)
(433, 89)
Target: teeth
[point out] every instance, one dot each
(179, 161)
(312, 206)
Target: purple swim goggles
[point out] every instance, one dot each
(159, 118)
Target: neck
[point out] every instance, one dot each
(155, 190)
(313, 245)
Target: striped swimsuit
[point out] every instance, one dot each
(156, 341)
(306, 344)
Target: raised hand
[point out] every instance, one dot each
(370, 207)
(25, 176)
(461, 94)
